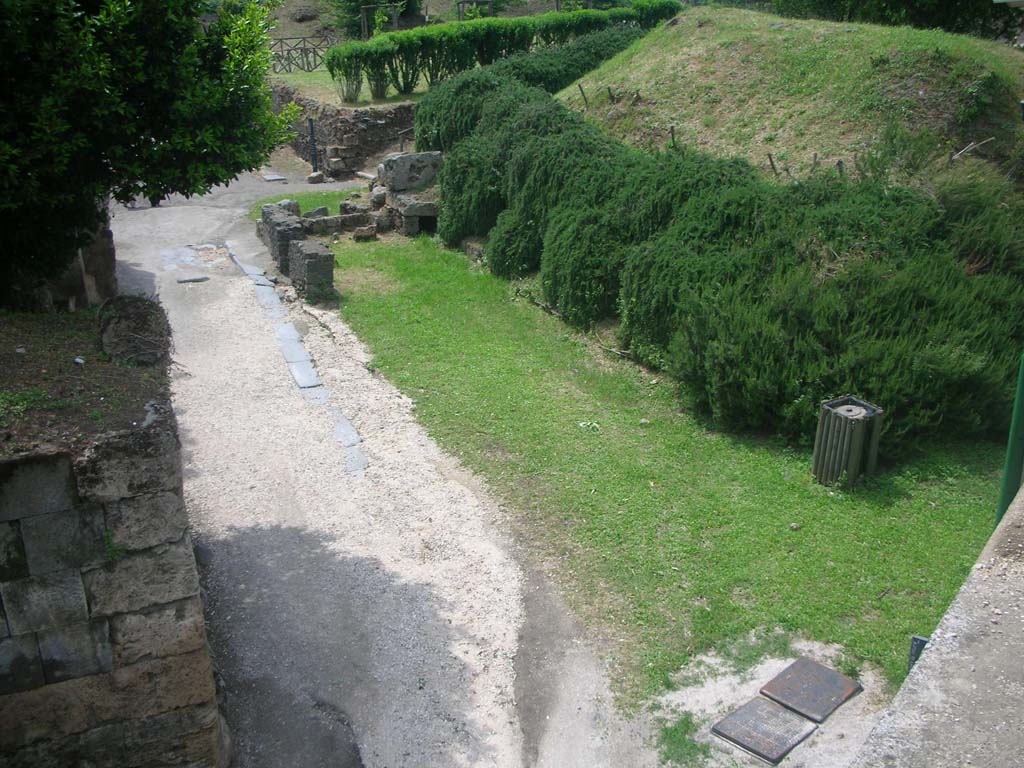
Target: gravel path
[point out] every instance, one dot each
(373, 617)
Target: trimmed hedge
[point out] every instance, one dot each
(761, 298)
(437, 52)
(455, 106)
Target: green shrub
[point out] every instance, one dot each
(346, 70)
(582, 260)
(378, 64)
(761, 298)
(440, 51)
(405, 63)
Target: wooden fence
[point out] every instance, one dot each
(304, 54)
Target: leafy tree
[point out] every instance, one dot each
(348, 14)
(981, 17)
(120, 98)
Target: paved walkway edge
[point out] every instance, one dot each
(963, 703)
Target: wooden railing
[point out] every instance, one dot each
(303, 54)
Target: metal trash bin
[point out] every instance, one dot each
(846, 443)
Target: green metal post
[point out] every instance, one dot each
(1014, 466)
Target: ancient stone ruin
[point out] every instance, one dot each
(404, 192)
(103, 654)
(309, 263)
(345, 137)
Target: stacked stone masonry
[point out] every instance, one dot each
(103, 654)
(345, 137)
(308, 262)
(404, 191)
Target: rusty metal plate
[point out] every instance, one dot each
(811, 689)
(764, 729)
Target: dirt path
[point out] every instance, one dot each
(371, 616)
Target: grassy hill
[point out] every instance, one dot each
(745, 83)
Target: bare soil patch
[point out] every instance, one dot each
(46, 397)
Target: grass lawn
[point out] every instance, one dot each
(319, 85)
(670, 538)
(744, 83)
(307, 201)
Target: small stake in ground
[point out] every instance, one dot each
(586, 103)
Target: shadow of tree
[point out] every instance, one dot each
(323, 654)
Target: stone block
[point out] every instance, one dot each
(288, 206)
(378, 196)
(323, 225)
(20, 669)
(138, 691)
(409, 226)
(384, 220)
(133, 462)
(316, 213)
(62, 540)
(145, 521)
(362, 234)
(44, 602)
(280, 228)
(413, 205)
(317, 177)
(167, 630)
(413, 170)
(143, 579)
(13, 564)
(76, 651)
(337, 164)
(313, 266)
(35, 485)
(349, 207)
(207, 747)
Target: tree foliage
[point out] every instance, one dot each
(111, 98)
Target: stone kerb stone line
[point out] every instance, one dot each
(311, 263)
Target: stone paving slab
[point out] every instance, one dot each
(355, 460)
(305, 374)
(294, 351)
(344, 431)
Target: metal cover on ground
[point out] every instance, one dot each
(811, 689)
(765, 729)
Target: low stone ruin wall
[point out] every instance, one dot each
(103, 656)
(308, 262)
(346, 137)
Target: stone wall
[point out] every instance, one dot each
(103, 656)
(346, 137)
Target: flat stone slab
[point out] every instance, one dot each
(355, 460)
(261, 280)
(193, 279)
(317, 395)
(305, 374)
(344, 431)
(293, 351)
(286, 332)
(252, 271)
(270, 301)
(273, 177)
(764, 729)
(811, 689)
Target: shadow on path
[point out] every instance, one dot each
(316, 648)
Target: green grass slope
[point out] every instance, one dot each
(745, 83)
